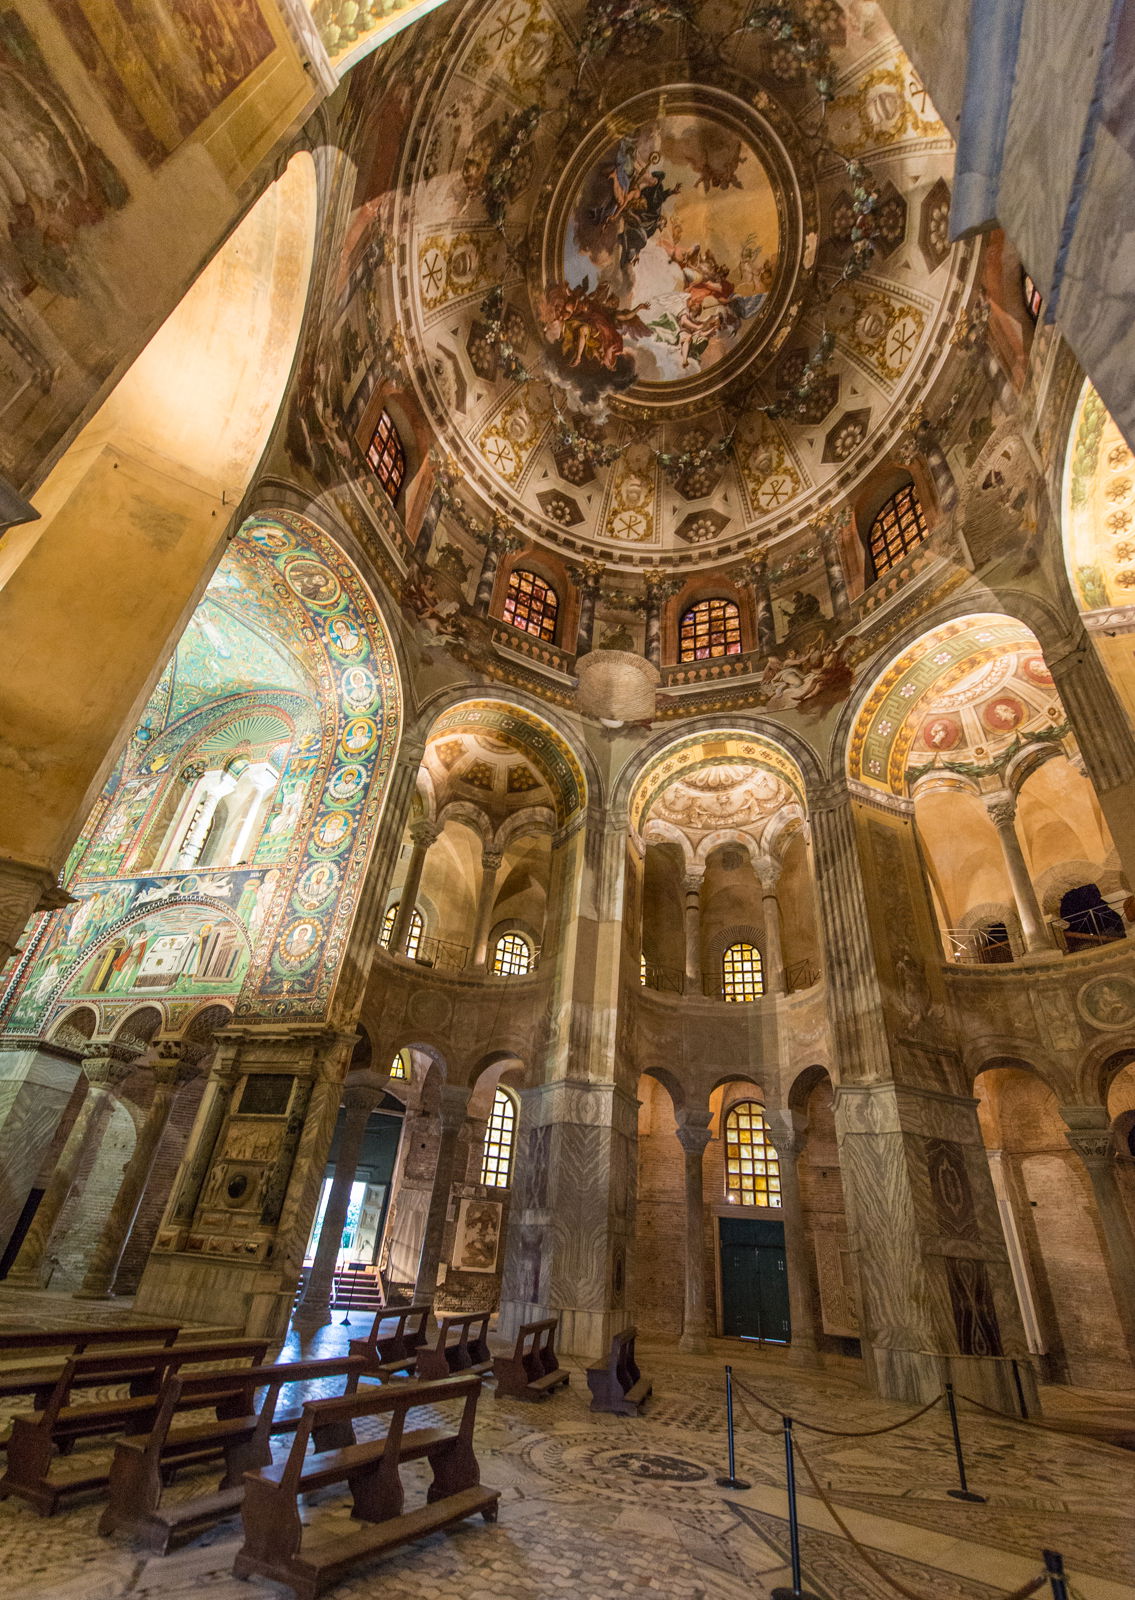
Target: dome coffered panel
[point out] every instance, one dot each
(668, 293)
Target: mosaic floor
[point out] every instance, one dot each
(598, 1507)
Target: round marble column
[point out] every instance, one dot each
(423, 834)
(692, 913)
(1002, 809)
(454, 1100)
(486, 899)
(105, 1068)
(788, 1130)
(769, 875)
(315, 1306)
(693, 1136)
(1089, 1134)
(170, 1072)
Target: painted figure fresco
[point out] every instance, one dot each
(671, 248)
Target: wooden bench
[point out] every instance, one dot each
(616, 1384)
(37, 1435)
(532, 1371)
(142, 1468)
(310, 1559)
(462, 1346)
(395, 1337)
(41, 1380)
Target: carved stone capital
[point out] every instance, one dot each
(175, 1063)
(425, 833)
(491, 860)
(1095, 1147)
(1002, 808)
(107, 1065)
(693, 1132)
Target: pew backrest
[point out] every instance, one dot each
(76, 1340)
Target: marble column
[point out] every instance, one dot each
(106, 1067)
(454, 1100)
(423, 834)
(170, 1071)
(1002, 810)
(693, 1136)
(498, 542)
(762, 606)
(692, 913)
(788, 1130)
(1103, 734)
(486, 899)
(774, 953)
(654, 599)
(833, 567)
(359, 1101)
(587, 580)
(1090, 1136)
(200, 1149)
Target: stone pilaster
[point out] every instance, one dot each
(693, 1135)
(170, 1071)
(359, 1101)
(1090, 1136)
(788, 1130)
(105, 1068)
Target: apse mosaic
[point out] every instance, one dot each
(704, 774)
(226, 855)
(657, 295)
(962, 699)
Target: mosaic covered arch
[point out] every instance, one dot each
(285, 664)
(1099, 509)
(548, 752)
(963, 698)
(701, 753)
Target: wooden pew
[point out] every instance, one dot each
(396, 1335)
(532, 1371)
(36, 1435)
(462, 1346)
(39, 1381)
(312, 1558)
(143, 1467)
(615, 1382)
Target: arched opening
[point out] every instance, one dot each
(708, 629)
(512, 956)
(500, 1141)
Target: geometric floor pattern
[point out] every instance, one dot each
(595, 1507)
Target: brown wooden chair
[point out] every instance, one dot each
(462, 1345)
(143, 1467)
(616, 1383)
(309, 1559)
(37, 1435)
(533, 1370)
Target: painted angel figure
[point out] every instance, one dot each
(638, 194)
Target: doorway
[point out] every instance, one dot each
(754, 1280)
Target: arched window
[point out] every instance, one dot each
(899, 527)
(741, 977)
(1088, 919)
(398, 1067)
(414, 936)
(512, 957)
(752, 1167)
(386, 457)
(496, 1164)
(711, 628)
(1034, 300)
(531, 604)
(642, 970)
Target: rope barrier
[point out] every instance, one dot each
(843, 1433)
(876, 1567)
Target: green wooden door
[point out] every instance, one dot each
(754, 1280)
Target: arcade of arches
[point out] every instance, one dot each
(567, 740)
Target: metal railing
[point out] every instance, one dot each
(977, 947)
(441, 954)
(1083, 930)
(671, 980)
(800, 975)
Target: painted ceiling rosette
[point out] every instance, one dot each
(673, 277)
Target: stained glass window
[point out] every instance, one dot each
(711, 628)
(531, 604)
(752, 1167)
(512, 957)
(416, 929)
(496, 1165)
(398, 1067)
(899, 527)
(741, 972)
(386, 457)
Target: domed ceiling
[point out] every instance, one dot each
(672, 276)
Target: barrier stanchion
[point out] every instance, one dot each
(1020, 1390)
(796, 1592)
(964, 1492)
(1054, 1566)
(351, 1281)
(732, 1481)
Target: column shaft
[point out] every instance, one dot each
(98, 1281)
(693, 1136)
(315, 1307)
(454, 1101)
(1002, 811)
(693, 933)
(774, 955)
(423, 835)
(482, 921)
(788, 1136)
